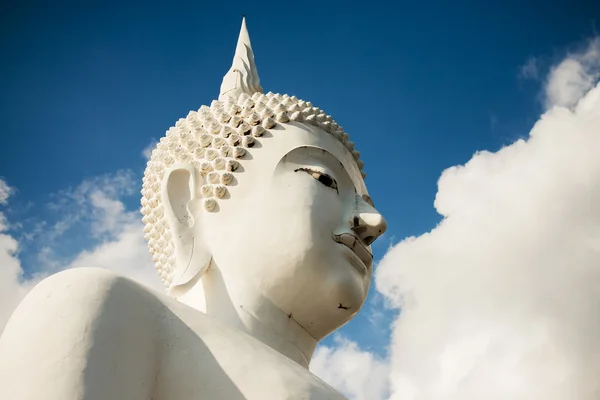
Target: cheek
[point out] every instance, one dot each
(303, 218)
(299, 217)
(285, 229)
(303, 205)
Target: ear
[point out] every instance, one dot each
(181, 200)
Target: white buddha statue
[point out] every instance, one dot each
(260, 225)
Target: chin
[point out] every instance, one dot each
(344, 286)
(337, 291)
(345, 297)
(349, 287)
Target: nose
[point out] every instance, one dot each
(368, 224)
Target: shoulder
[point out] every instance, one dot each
(95, 277)
(80, 307)
(81, 296)
(77, 324)
(78, 284)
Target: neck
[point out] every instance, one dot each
(250, 312)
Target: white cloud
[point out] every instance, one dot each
(110, 215)
(358, 374)
(121, 246)
(94, 202)
(127, 255)
(530, 70)
(5, 191)
(147, 152)
(502, 299)
(574, 76)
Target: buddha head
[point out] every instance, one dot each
(267, 192)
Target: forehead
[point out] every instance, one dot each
(320, 145)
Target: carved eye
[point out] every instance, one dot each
(321, 177)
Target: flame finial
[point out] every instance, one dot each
(242, 77)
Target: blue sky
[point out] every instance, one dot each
(85, 87)
(420, 87)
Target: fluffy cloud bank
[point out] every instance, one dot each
(573, 77)
(355, 372)
(502, 299)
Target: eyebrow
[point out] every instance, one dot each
(329, 158)
(331, 161)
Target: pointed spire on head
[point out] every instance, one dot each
(242, 77)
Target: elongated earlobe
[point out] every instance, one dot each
(181, 190)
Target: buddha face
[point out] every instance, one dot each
(295, 228)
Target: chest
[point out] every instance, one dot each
(209, 363)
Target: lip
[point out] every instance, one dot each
(357, 247)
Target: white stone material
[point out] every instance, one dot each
(259, 224)
(243, 75)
